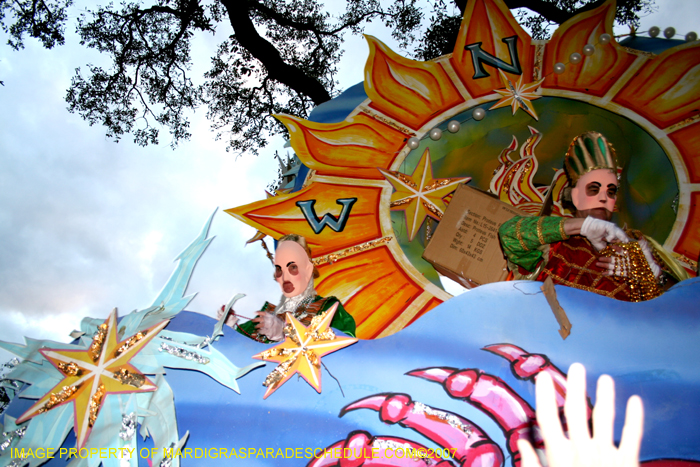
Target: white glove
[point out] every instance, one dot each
(231, 319)
(601, 232)
(646, 248)
(270, 326)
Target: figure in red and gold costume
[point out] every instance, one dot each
(295, 274)
(587, 251)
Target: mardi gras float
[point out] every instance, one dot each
(433, 379)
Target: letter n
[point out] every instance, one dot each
(335, 223)
(479, 57)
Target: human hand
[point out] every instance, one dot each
(231, 319)
(600, 232)
(269, 326)
(580, 449)
(613, 265)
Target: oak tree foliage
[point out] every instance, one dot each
(281, 56)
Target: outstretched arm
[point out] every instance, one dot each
(522, 238)
(581, 449)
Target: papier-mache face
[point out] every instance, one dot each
(293, 269)
(596, 193)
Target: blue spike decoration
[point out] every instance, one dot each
(155, 411)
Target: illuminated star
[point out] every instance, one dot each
(89, 375)
(302, 349)
(518, 96)
(419, 195)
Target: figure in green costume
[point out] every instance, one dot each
(295, 274)
(588, 251)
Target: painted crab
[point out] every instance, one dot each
(461, 442)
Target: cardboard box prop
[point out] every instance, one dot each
(465, 245)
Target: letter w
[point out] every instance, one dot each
(335, 223)
(479, 57)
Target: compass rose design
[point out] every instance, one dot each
(388, 287)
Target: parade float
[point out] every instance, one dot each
(443, 380)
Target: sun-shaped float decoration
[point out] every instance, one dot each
(646, 104)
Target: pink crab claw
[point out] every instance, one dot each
(361, 449)
(492, 396)
(469, 445)
(526, 366)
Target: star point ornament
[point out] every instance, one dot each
(89, 375)
(420, 195)
(302, 349)
(518, 95)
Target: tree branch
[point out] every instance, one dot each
(267, 54)
(550, 11)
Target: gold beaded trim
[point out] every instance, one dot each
(431, 207)
(634, 270)
(69, 369)
(406, 180)
(437, 184)
(684, 259)
(97, 342)
(540, 237)
(130, 342)
(58, 397)
(125, 376)
(563, 281)
(333, 257)
(400, 202)
(581, 269)
(520, 234)
(95, 402)
(580, 248)
(564, 236)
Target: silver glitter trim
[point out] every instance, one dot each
(167, 461)
(409, 451)
(18, 462)
(293, 304)
(452, 420)
(207, 340)
(13, 362)
(182, 353)
(10, 436)
(204, 343)
(8, 387)
(128, 429)
(7, 367)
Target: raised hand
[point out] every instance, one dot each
(581, 449)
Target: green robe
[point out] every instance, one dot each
(342, 320)
(524, 239)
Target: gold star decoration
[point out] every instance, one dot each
(302, 349)
(518, 95)
(419, 195)
(89, 375)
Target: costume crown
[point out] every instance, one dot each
(587, 152)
